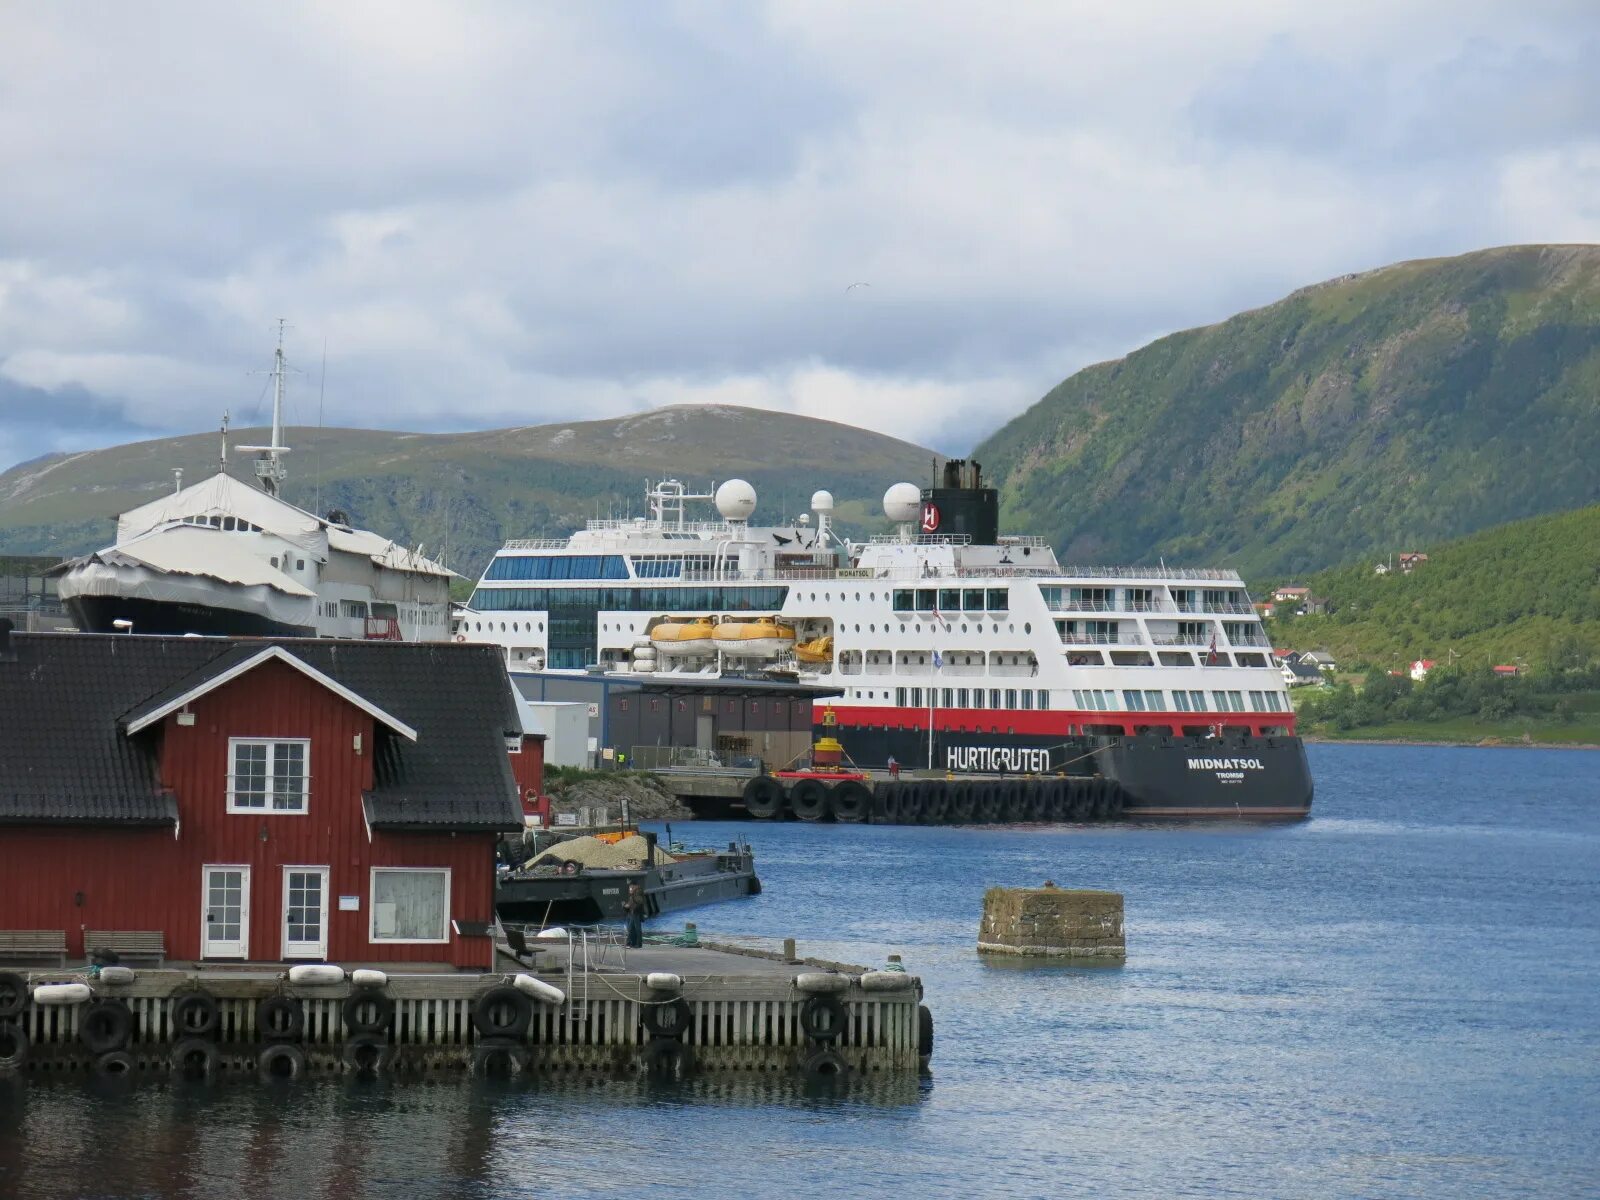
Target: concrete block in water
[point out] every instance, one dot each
(1052, 922)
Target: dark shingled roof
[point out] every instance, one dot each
(64, 698)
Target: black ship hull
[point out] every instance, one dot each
(1157, 776)
(593, 896)
(95, 614)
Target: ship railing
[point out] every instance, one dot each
(921, 539)
(1180, 639)
(1249, 641)
(1101, 639)
(1152, 573)
(536, 544)
(653, 526)
(1032, 541)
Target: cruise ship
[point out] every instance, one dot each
(953, 648)
(226, 557)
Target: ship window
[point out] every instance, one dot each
(900, 697)
(946, 698)
(267, 775)
(902, 599)
(949, 599)
(274, 561)
(927, 599)
(1011, 698)
(916, 697)
(1044, 699)
(1133, 700)
(962, 698)
(1153, 701)
(994, 697)
(972, 599)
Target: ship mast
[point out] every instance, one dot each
(270, 471)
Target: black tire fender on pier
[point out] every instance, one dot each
(935, 803)
(1036, 800)
(280, 1019)
(1114, 798)
(105, 1026)
(114, 1064)
(808, 800)
(280, 1060)
(194, 1058)
(499, 1057)
(502, 1012)
(367, 1054)
(667, 1059)
(1016, 805)
(924, 1032)
(13, 994)
(824, 1065)
(666, 1017)
(911, 805)
(763, 798)
(962, 803)
(1060, 800)
(196, 1014)
(367, 1010)
(885, 803)
(13, 1046)
(850, 801)
(822, 1017)
(991, 805)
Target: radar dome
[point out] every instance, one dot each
(736, 500)
(903, 502)
(822, 502)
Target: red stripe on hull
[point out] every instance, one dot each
(1037, 722)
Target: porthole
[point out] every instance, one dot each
(1027, 627)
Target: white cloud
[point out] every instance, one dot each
(514, 212)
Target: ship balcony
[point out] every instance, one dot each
(1101, 639)
(1249, 640)
(1180, 639)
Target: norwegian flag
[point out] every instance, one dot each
(1211, 655)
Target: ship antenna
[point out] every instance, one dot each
(222, 459)
(270, 471)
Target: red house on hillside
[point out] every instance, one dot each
(257, 799)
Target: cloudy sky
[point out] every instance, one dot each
(496, 214)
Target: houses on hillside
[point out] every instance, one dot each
(1421, 667)
(1299, 600)
(249, 799)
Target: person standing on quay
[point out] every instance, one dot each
(634, 906)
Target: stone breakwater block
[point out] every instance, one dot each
(1052, 922)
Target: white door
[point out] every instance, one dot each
(226, 916)
(305, 912)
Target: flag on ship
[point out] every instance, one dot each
(1211, 655)
(938, 661)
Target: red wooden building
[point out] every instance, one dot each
(258, 799)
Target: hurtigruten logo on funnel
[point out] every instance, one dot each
(1016, 760)
(1227, 770)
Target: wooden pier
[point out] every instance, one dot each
(666, 1012)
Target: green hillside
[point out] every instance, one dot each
(1526, 592)
(1404, 405)
(485, 487)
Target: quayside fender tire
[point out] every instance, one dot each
(808, 800)
(114, 1064)
(991, 804)
(106, 1025)
(1036, 800)
(1114, 799)
(824, 1065)
(196, 1014)
(822, 1017)
(669, 1017)
(924, 1032)
(367, 1054)
(1102, 798)
(498, 1058)
(850, 802)
(935, 803)
(1060, 800)
(194, 1058)
(962, 804)
(502, 1012)
(914, 804)
(281, 1060)
(13, 994)
(1015, 810)
(367, 1011)
(280, 1019)
(885, 804)
(763, 798)
(667, 1059)
(1082, 800)
(13, 1046)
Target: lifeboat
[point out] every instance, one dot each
(818, 651)
(683, 639)
(761, 638)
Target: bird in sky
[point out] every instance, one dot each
(856, 285)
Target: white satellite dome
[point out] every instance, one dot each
(736, 500)
(903, 502)
(822, 502)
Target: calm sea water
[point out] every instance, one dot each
(1399, 997)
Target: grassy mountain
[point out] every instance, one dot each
(541, 480)
(1408, 404)
(1527, 591)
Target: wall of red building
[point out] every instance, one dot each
(146, 879)
(527, 765)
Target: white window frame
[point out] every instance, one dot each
(269, 809)
(372, 907)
